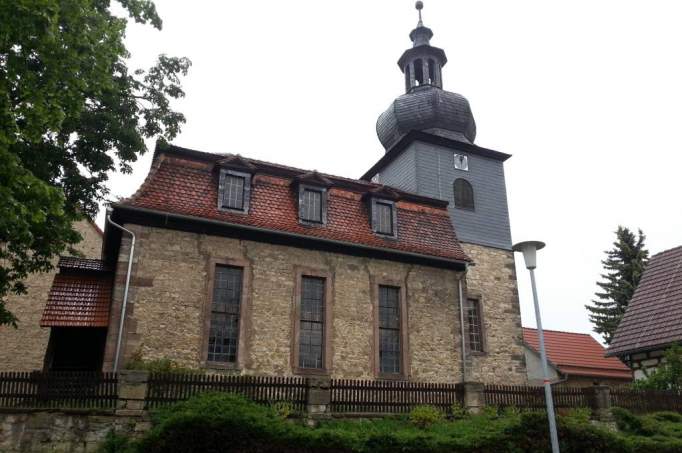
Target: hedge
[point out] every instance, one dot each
(229, 423)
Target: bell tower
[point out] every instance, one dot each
(422, 63)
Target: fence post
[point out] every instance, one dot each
(319, 397)
(599, 397)
(474, 399)
(132, 390)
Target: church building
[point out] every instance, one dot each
(229, 264)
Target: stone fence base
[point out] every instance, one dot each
(63, 431)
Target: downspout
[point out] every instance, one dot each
(121, 321)
(461, 321)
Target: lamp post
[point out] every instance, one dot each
(529, 249)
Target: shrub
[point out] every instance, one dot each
(136, 362)
(283, 409)
(511, 411)
(115, 443)
(425, 416)
(532, 435)
(490, 411)
(630, 423)
(457, 411)
(225, 422)
(229, 423)
(578, 415)
(667, 416)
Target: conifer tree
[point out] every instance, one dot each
(623, 268)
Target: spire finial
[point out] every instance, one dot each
(419, 5)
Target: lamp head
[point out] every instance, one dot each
(528, 248)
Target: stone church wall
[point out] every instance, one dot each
(170, 289)
(23, 349)
(493, 280)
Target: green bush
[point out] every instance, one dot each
(136, 362)
(630, 423)
(425, 416)
(532, 435)
(457, 411)
(578, 415)
(229, 423)
(283, 409)
(490, 411)
(667, 416)
(115, 443)
(224, 422)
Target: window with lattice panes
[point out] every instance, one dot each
(389, 330)
(223, 339)
(472, 315)
(311, 327)
(233, 193)
(311, 205)
(384, 218)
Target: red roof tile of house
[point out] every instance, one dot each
(80, 264)
(185, 182)
(78, 301)
(653, 318)
(577, 354)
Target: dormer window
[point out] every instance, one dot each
(233, 196)
(312, 204)
(312, 198)
(234, 191)
(384, 218)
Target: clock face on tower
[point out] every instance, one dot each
(461, 162)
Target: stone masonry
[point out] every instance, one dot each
(23, 349)
(493, 280)
(170, 291)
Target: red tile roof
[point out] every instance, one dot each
(185, 182)
(577, 354)
(78, 301)
(80, 264)
(653, 318)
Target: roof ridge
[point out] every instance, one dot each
(368, 185)
(147, 180)
(560, 331)
(665, 251)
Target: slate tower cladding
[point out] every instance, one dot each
(428, 134)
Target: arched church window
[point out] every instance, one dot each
(432, 71)
(464, 194)
(419, 71)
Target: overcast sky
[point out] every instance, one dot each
(586, 96)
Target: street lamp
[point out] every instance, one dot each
(529, 249)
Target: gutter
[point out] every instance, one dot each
(461, 322)
(121, 321)
(450, 263)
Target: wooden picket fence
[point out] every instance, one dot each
(166, 388)
(37, 389)
(642, 401)
(529, 397)
(395, 397)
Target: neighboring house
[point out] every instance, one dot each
(23, 348)
(575, 359)
(653, 319)
(245, 266)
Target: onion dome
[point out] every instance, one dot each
(425, 106)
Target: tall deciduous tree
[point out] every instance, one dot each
(623, 268)
(71, 112)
